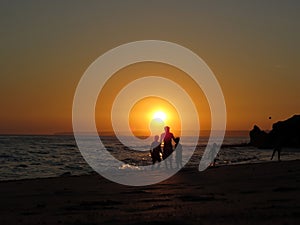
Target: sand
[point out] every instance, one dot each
(266, 193)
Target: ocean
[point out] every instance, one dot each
(32, 156)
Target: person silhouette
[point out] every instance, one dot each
(166, 138)
(276, 149)
(213, 154)
(178, 150)
(155, 150)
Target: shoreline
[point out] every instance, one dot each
(190, 168)
(260, 193)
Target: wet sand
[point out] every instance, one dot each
(266, 193)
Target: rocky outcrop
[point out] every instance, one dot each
(284, 133)
(259, 138)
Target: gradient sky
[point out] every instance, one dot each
(251, 46)
(141, 114)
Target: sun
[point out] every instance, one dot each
(160, 115)
(150, 115)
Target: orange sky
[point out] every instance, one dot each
(252, 47)
(146, 106)
(151, 114)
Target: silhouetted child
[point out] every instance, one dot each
(155, 150)
(178, 150)
(276, 149)
(213, 155)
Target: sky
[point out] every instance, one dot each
(251, 46)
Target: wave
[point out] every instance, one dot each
(47, 156)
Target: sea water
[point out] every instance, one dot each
(24, 157)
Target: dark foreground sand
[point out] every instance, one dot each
(242, 194)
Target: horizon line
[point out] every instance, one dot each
(103, 133)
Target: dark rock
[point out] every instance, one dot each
(259, 138)
(284, 134)
(287, 133)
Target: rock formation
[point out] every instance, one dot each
(284, 133)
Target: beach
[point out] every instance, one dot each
(259, 193)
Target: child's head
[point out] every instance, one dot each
(177, 140)
(156, 137)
